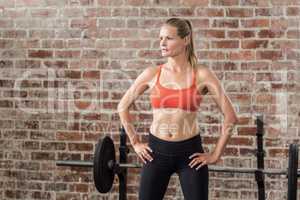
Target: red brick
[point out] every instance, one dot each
(242, 55)
(283, 65)
(255, 23)
(93, 54)
(8, 4)
(265, 99)
(225, 23)
(43, 13)
(214, 33)
(280, 24)
(30, 3)
(83, 105)
(293, 11)
(134, 2)
(225, 44)
(111, 23)
(265, 33)
(293, 55)
(154, 54)
(225, 2)
(67, 54)
(254, 3)
(53, 146)
(284, 45)
(83, 23)
(210, 12)
(13, 13)
(255, 66)
(212, 55)
(27, 165)
(69, 136)
(53, 43)
(42, 156)
(268, 76)
(240, 141)
(124, 33)
(122, 54)
(230, 152)
(269, 55)
(278, 152)
(56, 64)
(284, 3)
(98, 12)
(84, 188)
(241, 34)
(6, 24)
(154, 12)
(84, 63)
(40, 54)
(42, 34)
(241, 99)
(28, 44)
(181, 12)
(83, 2)
(68, 33)
(246, 131)
(14, 33)
(273, 11)
(91, 75)
(239, 76)
(239, 12)
(80, 147)
(247, 151)
(254, 44)
(150, 23)
(6, 44)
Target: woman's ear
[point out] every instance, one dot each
(187, 40)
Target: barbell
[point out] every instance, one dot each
(105, 166)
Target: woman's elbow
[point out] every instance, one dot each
(121, 108)
(231, 118)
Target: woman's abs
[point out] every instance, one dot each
(174, 124)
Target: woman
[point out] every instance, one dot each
(176, 90)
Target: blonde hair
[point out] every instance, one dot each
(184, 28)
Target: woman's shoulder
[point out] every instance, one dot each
(202, 71)
(151, 71)
(149, 74)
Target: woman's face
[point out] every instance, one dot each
(170, 43)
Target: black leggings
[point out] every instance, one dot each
(169, 157)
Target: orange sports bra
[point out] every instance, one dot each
(187, 99)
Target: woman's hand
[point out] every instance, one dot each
(202, 159)
(142, 150)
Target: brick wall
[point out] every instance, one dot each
(66, 63)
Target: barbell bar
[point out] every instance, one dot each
(80, 163)
(105, 166)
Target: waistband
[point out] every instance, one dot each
(193, 144)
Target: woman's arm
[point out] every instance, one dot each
(217, 92)
(136, 89)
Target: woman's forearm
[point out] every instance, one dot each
(126, 121)
(226, 131)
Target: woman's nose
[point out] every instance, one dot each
(162, 42)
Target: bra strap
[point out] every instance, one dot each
(158, 74)
(194, 77)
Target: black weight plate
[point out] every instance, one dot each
(103, 175)
(293, 172)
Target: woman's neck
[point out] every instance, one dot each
(178, 65)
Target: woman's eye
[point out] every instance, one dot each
(168, 38)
